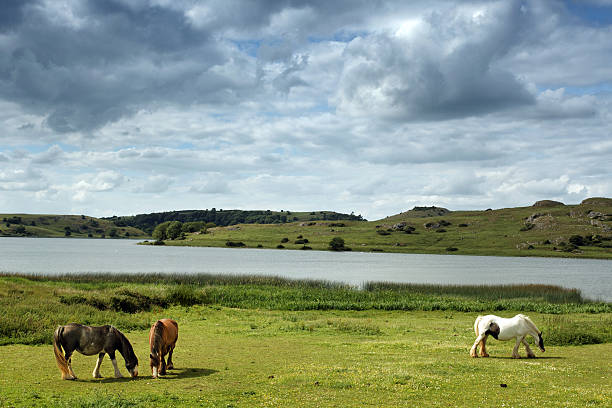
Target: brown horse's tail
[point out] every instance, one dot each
(62, 364)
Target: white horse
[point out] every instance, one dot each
(518, 327)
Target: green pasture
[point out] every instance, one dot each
(260, 342)
(502, 232)
(62, 226)
(261, 358)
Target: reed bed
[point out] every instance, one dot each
(548, 293)
(34, 305)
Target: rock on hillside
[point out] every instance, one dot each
(598, 201)
(547, 203)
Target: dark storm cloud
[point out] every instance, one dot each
(112, 60)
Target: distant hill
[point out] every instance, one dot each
(419, 212)
(51, 226)
(147, 222)
(550, 229)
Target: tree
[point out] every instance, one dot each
(337, 244)
(174, 229)
(159, 233)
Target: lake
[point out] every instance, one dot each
(65, 255)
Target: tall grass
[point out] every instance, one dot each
(548, 293)
(33, 306)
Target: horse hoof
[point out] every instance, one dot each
(517, 357)
(484, 355)
(170, 367)
(531, 356)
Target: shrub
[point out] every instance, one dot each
(383, 232)
(235, 244)
(184, 295)
(337, 244)
(452, 249)
(577, 240)
(279, 246)
(284, 240)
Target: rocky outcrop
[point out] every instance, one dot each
(598, 201)
(547, 203)
(540, 221)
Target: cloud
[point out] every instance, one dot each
(17, 179)
(52, 156)
(210, 184)
(445, 68)
(363, 106)
(103, 181)
(155, 184)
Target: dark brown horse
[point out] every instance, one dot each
(90, 340)
(162, 339)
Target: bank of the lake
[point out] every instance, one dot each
(58, 256)
(239, 347)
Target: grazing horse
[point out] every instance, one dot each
(90, 340)
(517, 328)
(162, 339)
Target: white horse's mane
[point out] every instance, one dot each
(532, 324)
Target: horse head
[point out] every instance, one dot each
(155, 363)
(131, 361)
(541, 342)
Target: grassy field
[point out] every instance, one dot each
(525, 231)
(273, 348)
(56, 226)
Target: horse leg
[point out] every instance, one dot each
(475, 346)
(114, 361)
(96, 371)
(515, 353)
(163, 366)
(69, 361)
(530, 353)
(170, 365)
(483, 347)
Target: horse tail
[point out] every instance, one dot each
(476, 323)
(62, 364)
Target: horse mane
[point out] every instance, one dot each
(158, 332)
(126, 347)
(530, 323)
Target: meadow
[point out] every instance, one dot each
(551, 231)
(262, 341)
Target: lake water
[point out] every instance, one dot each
(63, 255)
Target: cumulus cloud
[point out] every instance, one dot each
(361, 106)
(103, 181)
(443, 67)
(155, 184)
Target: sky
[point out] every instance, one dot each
(125, 107)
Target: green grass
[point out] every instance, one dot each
(33, 306)
(263, 354)
(497, 232)
(260, 358)
(55, 226)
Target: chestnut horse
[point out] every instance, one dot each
(162, 339)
